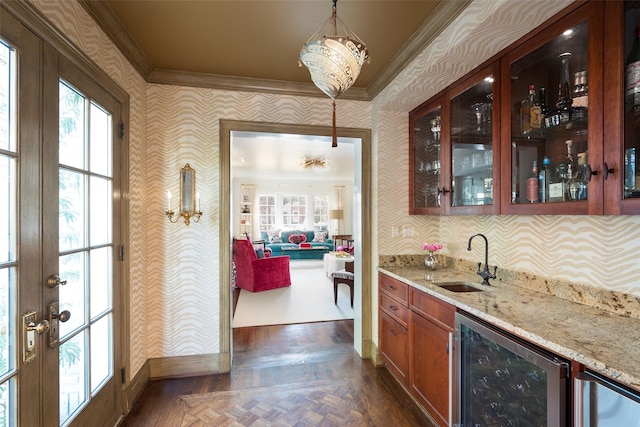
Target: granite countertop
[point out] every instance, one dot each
(604, 342)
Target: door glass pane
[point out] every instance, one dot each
(8, 224)
(101, 352)
(72, 127)
(100, 146)
(72, 295)
(472, 145)
(72, 221)
(100, 210)
(72, 376)
(426, 155)
(549, 98)
(100, 281)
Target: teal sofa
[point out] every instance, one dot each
(276, 247)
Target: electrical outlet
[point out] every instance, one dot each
(394, 231)
(407, 231)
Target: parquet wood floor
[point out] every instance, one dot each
(287, 375)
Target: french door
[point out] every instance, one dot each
(59, 266)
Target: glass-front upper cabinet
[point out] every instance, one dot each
(425, 158)
(553, 142)
(474, 130)
(622, 107)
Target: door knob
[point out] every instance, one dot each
(54, 281)
(54, 320)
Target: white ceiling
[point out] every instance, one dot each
(278, 157)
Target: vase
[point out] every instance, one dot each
(430, 262)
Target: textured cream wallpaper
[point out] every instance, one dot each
(174, 269)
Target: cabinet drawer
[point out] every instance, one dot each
(394, 341)
(394, 287)
(392, 307)
(433, 308)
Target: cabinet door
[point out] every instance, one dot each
(622, 108)
(394, 346)
(559, 129)
(431, 367)
(426, 140)
(474, 131)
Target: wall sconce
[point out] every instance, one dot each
(189, 198)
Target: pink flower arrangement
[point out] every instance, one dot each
(431, 247)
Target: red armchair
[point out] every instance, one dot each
(259, 274)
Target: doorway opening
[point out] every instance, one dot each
(361, 226)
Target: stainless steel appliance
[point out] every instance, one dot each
(503, 381)
(602, 403)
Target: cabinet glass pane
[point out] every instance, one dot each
(549, 105)
(426, 146)
(632, 101)
(472, 145)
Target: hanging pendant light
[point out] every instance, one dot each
(334, 56)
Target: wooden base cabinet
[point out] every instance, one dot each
(392, 326)
(416, 343)
(431, 357)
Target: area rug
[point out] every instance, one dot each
(321, 403)
(308, 299)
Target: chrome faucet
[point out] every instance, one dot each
(485, 274)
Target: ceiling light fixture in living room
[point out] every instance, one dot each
(334, 56)
(314, 162)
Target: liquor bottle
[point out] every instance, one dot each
(544, 109)
(535, 112)
(565, 100)
(532, 184)
(525, 111)
(579, 182)
(544, 177)
(632, 76)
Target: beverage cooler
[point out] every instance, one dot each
(503, 381)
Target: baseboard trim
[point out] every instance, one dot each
(184, 366)
(374, 355)
(133, 391)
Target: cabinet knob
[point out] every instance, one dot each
(606, 171)
(393, 307)
(443, 191)
(392, 332)
(591, 172)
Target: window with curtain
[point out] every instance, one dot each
(320, 212)
(267, 212)
(294, 211)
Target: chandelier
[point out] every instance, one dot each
(334, 56)
(314, 162)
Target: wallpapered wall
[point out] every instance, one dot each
(174, 269)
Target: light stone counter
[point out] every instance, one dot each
(604, 342)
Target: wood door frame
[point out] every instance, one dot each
(363, 166)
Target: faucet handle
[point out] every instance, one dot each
(495, 269)
(479, 265)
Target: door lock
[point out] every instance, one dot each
(54, 281)
(54, 321)
(30, 328)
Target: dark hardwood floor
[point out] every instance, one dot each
(273, 358)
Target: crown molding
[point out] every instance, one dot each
(109, 22)
(442, 16)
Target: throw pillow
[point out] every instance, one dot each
(260, 253)
(296, 239)
(274, 236)
(320, 236)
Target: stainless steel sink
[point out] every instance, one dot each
(459, 287)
